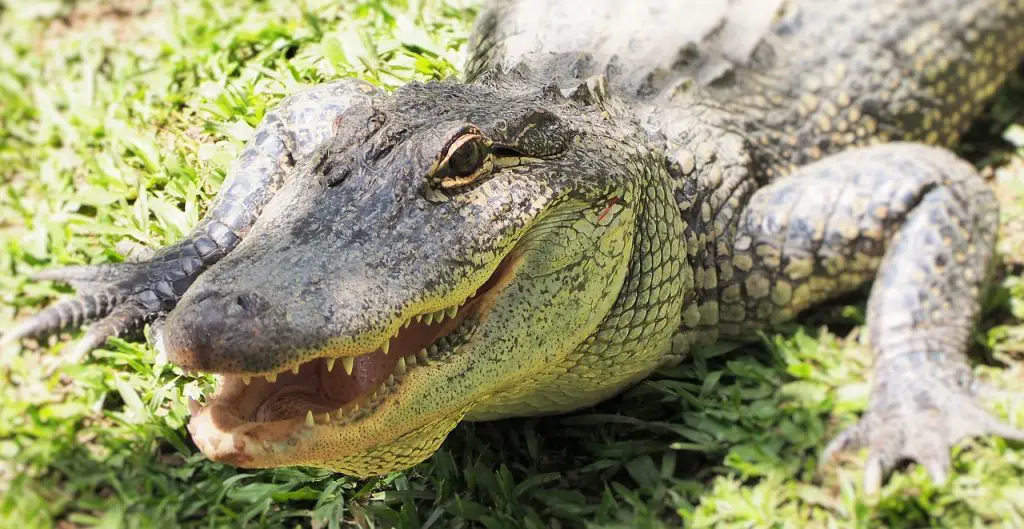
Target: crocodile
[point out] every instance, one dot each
(610, 186)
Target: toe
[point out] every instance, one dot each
(849, 439)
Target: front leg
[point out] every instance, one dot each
(126, 295)
(920, 221)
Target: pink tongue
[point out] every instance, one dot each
(368, 371)
(292, 401)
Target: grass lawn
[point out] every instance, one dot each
(118, 121)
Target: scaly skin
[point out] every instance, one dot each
(611, 187)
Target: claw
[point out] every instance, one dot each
(874, 471)
(156, 333)
(938, 467)
(194, 407)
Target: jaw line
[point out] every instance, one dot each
(226, 428)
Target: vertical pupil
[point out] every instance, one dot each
(465, 160)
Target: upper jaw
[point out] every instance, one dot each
(237, 320)
(247, 420)
(253, 419)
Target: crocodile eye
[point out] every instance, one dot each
(468, 158)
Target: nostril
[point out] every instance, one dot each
(252, 303)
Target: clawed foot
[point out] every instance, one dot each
(918, 420)
(117, 297)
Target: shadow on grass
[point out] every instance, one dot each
(649, 454)
(740, 414)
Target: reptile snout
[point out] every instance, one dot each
(222, 331)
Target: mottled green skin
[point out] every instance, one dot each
(769, 232)
(696, 184)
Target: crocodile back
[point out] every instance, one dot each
(649, 48)
(639, 45)
(837, 74)
(797, 79)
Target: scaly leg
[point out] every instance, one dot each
(125, 295)
(921, 222)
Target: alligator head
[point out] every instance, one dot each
(441, 258)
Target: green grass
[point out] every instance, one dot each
(118, 122)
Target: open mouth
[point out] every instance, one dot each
(338, 390)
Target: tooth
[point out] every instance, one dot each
(400, 367)
(309, 418)
(387, 346)
(330, 364)
(296, 370)
(391, 380)
(340, 415)
(411, 360)
(194, 407)
(418, 318)
(272, 378)
(347, 362)
(327, 418)
(381, 390)
(246, 379)
(432, 349)
(451, 311)
(429, 318)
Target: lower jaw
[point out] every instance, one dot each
(367, 449)
(243, 419)
(235, 431)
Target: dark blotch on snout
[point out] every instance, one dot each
(252, 303)
(220, 331)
